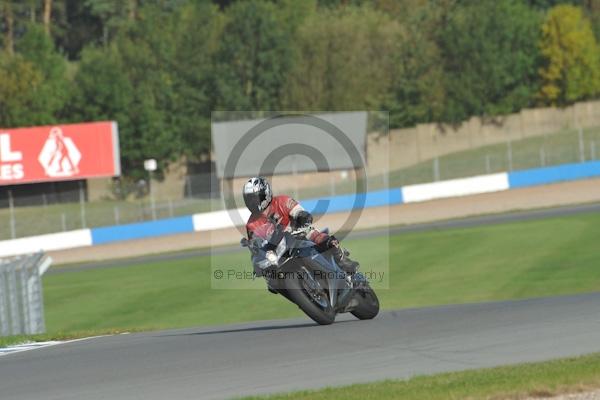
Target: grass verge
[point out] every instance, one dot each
(543, 379)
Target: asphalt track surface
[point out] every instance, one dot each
(397, 230)
(275, 356)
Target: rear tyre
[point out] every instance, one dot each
(368, 304)
(319, 311)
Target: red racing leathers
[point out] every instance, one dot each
(284, 210)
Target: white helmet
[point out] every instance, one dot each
(257, 194)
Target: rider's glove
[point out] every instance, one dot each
(332, 242)
(303, 219)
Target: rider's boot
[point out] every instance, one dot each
(348, 265)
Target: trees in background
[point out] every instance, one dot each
(197, 38)
(494, 76)
(8, 25)
(571, 55)
(416, 93)
(254, 57)
(160, 67)
(592, 10)
(33, 82)
(344, 60)
(52, 93)
(18, 82)
(47, 14)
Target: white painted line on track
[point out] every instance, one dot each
(26, 346)
(18, 348)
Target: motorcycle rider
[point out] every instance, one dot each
(288, 213)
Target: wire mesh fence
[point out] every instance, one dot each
(46, 213)
(21, 298)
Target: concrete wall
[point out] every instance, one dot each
(410, 146)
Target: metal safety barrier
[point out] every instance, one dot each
(21, 297)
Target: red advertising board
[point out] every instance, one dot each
(59, 152)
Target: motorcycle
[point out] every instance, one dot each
(294, 268)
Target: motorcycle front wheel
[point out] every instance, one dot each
(368, 304)
(311, 297)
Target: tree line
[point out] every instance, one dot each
(160, 67)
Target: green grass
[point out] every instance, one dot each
(509, 261)
(570, 375)
(561, 147)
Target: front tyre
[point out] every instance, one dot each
(368, 304)
(311, 297)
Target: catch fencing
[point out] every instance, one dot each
(21, 296)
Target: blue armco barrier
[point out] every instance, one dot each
(543, 176)
(141, 230)
(349, 201)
